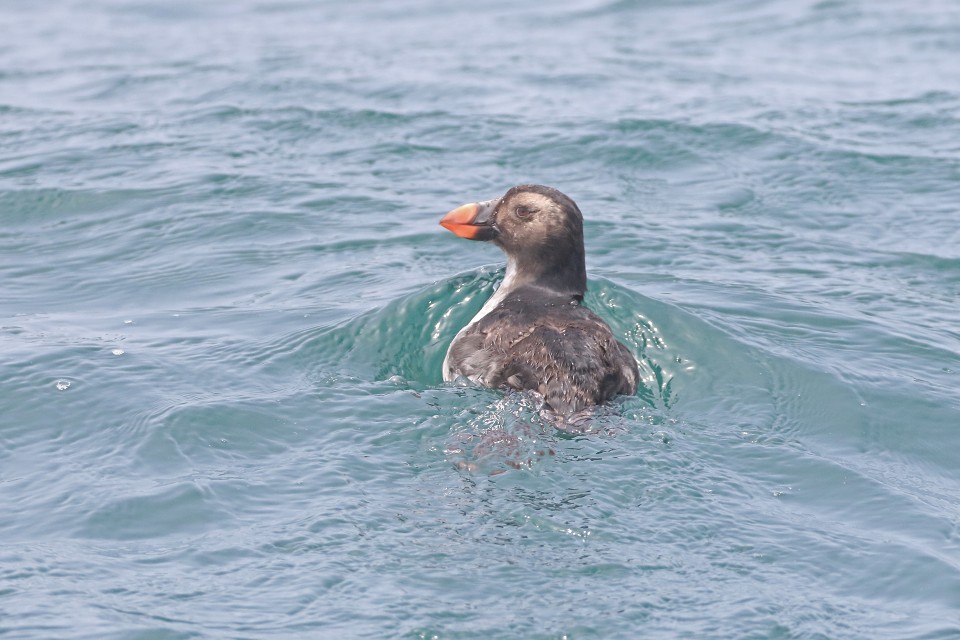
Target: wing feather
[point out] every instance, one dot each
(564, 352)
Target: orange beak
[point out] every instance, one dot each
(460, 220)
(472, 221)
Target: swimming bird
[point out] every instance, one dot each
(534, 332)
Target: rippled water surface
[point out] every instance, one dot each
(224, 301)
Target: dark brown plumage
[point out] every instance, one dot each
(533, 333)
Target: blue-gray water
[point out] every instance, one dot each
(224, 300)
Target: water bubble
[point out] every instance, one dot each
(63, 385)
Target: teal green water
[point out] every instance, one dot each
(225, 300)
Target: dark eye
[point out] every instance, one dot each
(523, 212)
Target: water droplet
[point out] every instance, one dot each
(63, 385)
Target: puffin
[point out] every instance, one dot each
(534, 333)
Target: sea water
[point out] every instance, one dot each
(225, 299)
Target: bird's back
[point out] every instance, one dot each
(536, 339)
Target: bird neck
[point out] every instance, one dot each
(564, 275)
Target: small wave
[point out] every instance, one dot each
(409, 337)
